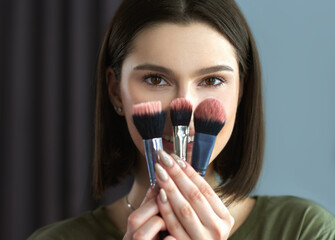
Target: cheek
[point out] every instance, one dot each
(132, 94)
(224, 136)
(129, 97)
(230, 105)
(136, 137)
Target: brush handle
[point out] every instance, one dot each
(180, 140)
(202, 150)
(151, 147)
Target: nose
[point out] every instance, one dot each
(186, 90)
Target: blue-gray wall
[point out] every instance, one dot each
(296, 41)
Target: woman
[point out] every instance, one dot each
(162, 50)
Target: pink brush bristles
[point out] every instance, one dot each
(147, 108)
(210, 109)
(181, 104)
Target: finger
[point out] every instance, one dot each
(172, 223)
(189, 190)
(150, 228)
(195, 192)
(180, 206)
(195, 196)
(215, 202)
(170, 238)
(142, 214)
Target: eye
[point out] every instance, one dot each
(155, 80)
(212, 82)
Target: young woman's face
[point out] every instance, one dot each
(169, 61)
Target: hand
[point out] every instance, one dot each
(144, 223)
(189, 206)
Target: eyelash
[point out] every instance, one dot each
(216, 78)
(153, 75)
(156, 75)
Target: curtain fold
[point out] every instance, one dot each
(49, 50)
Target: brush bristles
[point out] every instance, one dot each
(147, 108)
(180, 112)
(209, 117)
(149, 119)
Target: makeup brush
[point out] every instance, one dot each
(149, 120)
(209, 119)
(180, 113)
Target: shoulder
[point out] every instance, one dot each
(89, 225)
(292, 206)
(66, 229)
(296, 213)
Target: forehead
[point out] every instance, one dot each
(196, 42)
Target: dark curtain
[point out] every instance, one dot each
(49, 50)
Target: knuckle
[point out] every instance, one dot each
(133, 220)
(193, 175)
(206, 191)
(176, 173)
(166, 211)
(231, 221)
(158, 219)
(195, 195)
(174, 226)
(186, 211)
(169, 188)
(222, 230)
(218, 232)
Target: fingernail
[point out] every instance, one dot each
(175, 156)
(162, 174)
(165, 158)
(181, 163)
(162, 195)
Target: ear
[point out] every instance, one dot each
(113, 86)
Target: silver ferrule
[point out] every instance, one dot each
(180, 140)
(151, 147)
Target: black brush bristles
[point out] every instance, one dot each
(208, 126)
(209, 117)
(149, 119)
(180, 112)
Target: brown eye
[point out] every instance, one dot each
(210, 81)
(155, 81)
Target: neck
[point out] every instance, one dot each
(210, 176)
(141, 183)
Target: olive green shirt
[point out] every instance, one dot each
(272, 218)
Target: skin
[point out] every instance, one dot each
(200, 63)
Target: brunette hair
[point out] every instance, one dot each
(239, 164)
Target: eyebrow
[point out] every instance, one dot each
(155, 68)
(217, 68)
(202, 71)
